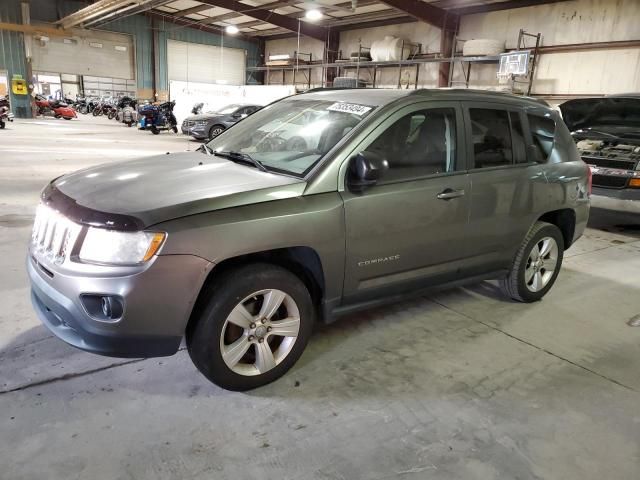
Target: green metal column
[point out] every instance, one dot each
(12, 56)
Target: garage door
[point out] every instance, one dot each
(192, 62)
(99, 54)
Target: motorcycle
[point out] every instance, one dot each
(54, 107)
(158, 117)
(127, 112)
(105, 107)
(5, 112)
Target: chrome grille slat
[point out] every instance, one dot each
(52, 234)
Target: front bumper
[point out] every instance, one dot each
(158, 302)
(197, 131)
(622, 200)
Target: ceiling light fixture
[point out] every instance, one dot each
(231, 29)
(313, 15)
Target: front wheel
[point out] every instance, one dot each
(537, 264)
(252, 328)
(215, 131)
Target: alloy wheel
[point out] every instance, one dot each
(541, 264)
(260, 332)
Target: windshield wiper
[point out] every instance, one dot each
(239, 157)
(205, 148)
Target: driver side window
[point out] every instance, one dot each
(419, 144)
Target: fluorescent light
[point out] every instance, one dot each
(232, 29)
(313, 14)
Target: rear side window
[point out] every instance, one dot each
(491, 131)
(543, 130)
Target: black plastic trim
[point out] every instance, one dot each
(68, 207)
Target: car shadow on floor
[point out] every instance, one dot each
(612, 221)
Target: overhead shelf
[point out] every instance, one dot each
(367, 64)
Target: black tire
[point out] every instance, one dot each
(2, 125)
(129, 124)
(514, 284)
(83, 109)
(174, 129)
(215, 131)
(67, 118)
(57, 115)
(154, 130)
(220, 298)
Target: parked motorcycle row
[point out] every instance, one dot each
(155, 118)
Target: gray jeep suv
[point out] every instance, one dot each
(241, 246)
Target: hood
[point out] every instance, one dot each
(164, 187)
(613, 112)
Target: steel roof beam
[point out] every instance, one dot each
(283, 21)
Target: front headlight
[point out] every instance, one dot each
(120, 248)
(201, 122)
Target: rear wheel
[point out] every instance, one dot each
(537, 264)
(67, 118)
(2, 124)
(154, 130)
(253, 328)
(215, 131)
(57, 115)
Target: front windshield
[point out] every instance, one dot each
(291, 136)
(226, 110)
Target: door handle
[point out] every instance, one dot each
(448, 194)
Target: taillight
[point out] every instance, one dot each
(589, 179)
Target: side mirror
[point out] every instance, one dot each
(365, 169)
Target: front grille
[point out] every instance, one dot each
(611, 162)
(609, 181)
(53, 234)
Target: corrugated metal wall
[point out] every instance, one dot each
(141, 27)
(12, 58)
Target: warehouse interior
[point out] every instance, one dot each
(453, 382)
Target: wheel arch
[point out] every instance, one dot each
(565, 220)
(303, 262)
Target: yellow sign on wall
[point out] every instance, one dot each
(19, 85)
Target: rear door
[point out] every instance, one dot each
(507, 186)
(410, 229)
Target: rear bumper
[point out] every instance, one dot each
(158, 303)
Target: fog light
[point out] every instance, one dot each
(106, 308)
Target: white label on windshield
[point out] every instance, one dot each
(349, 108)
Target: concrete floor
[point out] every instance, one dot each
(459, 385)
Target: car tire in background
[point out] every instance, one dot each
(254, 329)
(536, 265)
(215, 131)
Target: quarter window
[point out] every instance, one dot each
(419, 144)
(543, 130)
(492, 145)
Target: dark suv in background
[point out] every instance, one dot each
(242, 245)
(211, 124)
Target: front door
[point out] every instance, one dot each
(409, 229)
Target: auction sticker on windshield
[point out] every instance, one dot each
(349, 108)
